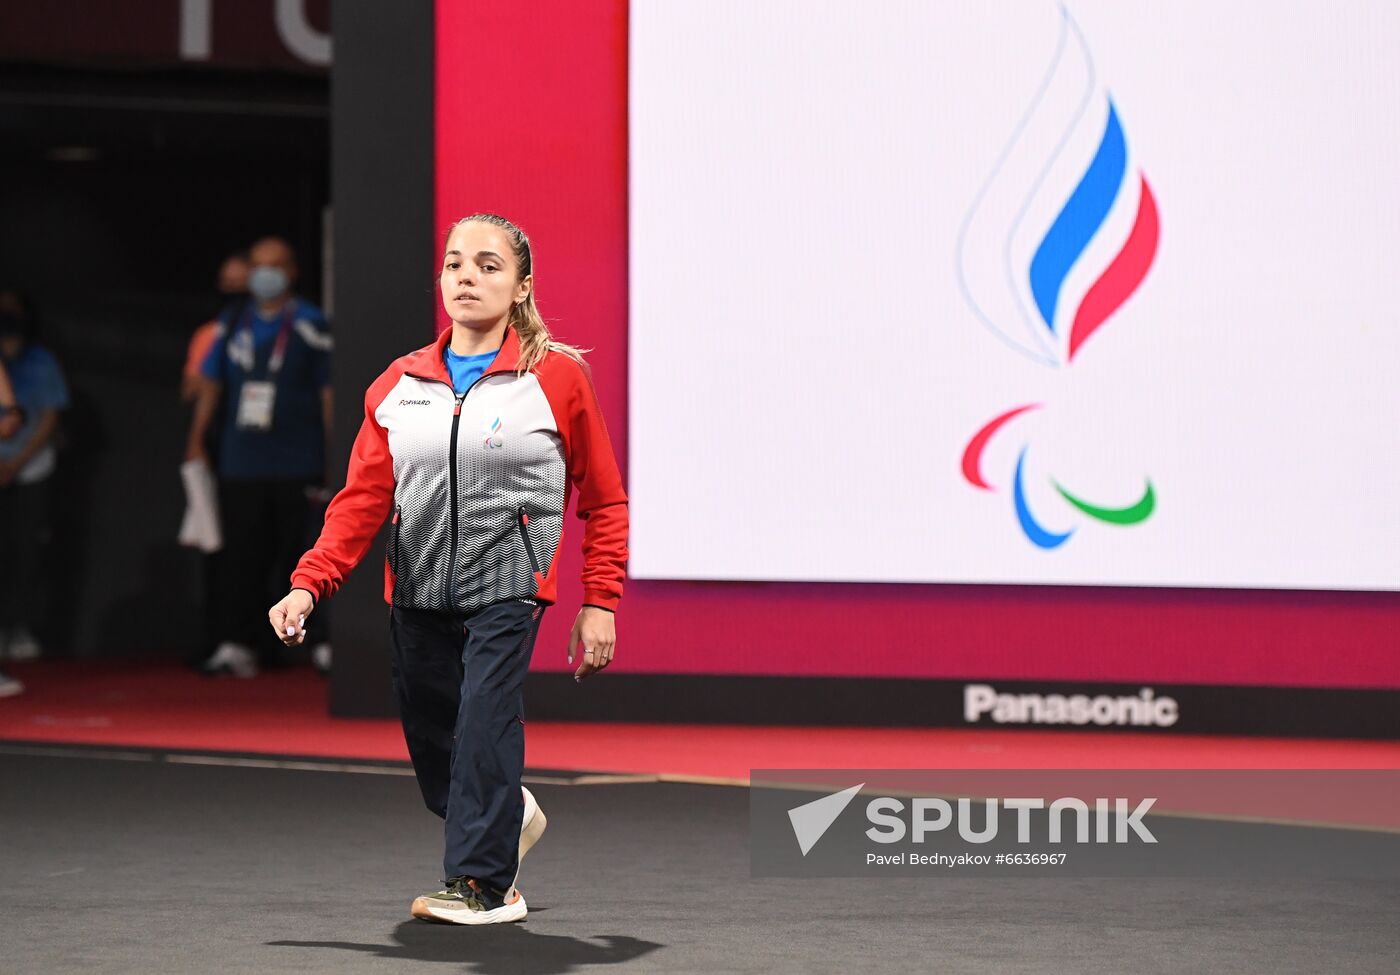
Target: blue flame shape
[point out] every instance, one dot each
(1071, 48)
(1080, 219)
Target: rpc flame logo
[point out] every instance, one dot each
(1053, 246)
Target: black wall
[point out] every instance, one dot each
(385, 253)
(120, 193)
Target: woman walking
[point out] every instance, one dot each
(472, 446)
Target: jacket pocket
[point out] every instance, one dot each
(522, 521)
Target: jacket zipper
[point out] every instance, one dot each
(394, 559)
(452, 496)
(452, 505)
(522, 521)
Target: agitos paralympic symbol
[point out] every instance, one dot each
(1023, 302)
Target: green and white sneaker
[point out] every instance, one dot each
(463, 901)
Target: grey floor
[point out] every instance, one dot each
(130, 862)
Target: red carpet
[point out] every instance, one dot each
(167, 707)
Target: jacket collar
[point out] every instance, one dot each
(507, 358)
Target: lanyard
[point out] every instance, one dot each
(279, 348)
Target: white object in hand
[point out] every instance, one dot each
(200, 527)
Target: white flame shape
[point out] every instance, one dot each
(1030, 182)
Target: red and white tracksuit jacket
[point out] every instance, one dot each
(477, 486)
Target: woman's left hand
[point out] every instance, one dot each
(594, 630)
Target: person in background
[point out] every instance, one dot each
(232, 298)
(9, 425)
(233, 294)
(270, 364)
(27, 459)
(11, 416)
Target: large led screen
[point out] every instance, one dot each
(1104, 293)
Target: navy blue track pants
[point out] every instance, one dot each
(460, 682)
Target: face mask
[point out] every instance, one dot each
(267, 283)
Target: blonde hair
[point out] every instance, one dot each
(535, 338)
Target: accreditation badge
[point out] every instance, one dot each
(255, 404)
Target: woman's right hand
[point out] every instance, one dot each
(288, 617)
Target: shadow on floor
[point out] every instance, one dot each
(495, 949)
